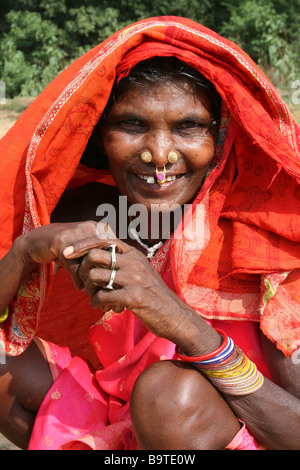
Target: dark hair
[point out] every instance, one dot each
(160, 70)
(155, 71)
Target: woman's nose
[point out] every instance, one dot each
(160, 146)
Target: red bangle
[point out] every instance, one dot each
(205, 356)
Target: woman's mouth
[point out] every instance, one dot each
(152, 179)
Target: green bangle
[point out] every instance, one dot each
(4, 314)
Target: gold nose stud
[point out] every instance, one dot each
(146, 156)
(172, 157)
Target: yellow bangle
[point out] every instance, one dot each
(4, 314)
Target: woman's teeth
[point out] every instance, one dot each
(152, 179)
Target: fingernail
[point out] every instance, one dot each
(68, 251)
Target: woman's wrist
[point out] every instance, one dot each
(14, 270)
(21, 260)
(197, 336)
(228, 368)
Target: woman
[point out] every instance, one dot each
(218, 296)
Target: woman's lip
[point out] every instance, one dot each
(150, 179)
(155, 186)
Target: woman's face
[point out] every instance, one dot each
(159, 120)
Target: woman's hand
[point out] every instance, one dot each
(46, 244)
(81, 248)
(42, 245)
(138, 287)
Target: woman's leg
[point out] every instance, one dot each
(174, 407)
(24, 382)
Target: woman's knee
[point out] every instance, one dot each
(24, 382)
(29, 376)
(174, 407)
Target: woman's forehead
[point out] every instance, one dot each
(171, 94)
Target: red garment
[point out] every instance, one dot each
(237, 266)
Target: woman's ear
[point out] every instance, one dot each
(97, 138)
(94, 155)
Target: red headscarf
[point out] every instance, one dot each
(244, 261)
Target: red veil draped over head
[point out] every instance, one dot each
(242, 262)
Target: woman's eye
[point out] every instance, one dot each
(188, 125)
(133, 124)
(192, 127)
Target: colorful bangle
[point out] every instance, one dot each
(208, 356)
(246, 379)
(4, 314)
(220, 357)
(228, 368)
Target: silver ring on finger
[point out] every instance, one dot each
(112, 250)
(110, 285)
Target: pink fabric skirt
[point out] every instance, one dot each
(80, 414)
(74, 413)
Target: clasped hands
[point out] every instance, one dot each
(81, 248)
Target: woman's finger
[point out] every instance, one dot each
(103, 236)
(82, 247)
(72, 266)
(97, 279)
(109, 300)
(101, 258)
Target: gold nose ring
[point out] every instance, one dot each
(146, 156)
(172, 157)
(160, 175)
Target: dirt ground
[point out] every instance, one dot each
(9, 113)
(6, 445)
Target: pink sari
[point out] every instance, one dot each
(88, 408)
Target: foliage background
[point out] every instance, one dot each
(39, 38)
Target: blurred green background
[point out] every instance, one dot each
(39, 38)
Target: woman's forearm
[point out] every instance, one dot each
(271, 414)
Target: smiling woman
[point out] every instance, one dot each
(182, 339)
(159, 119)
